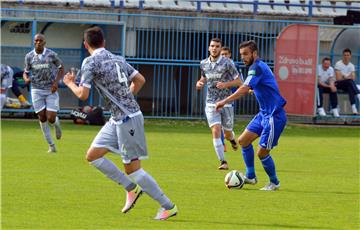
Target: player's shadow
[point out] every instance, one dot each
(236, 224)
(320, 192)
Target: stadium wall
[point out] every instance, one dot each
(166, 49)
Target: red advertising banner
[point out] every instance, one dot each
(296, 55)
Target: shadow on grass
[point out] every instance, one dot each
(318, 192)
(235, 225)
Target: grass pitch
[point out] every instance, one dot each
(318, 169)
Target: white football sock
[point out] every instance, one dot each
(2, 100)
(219, 148)
(108, 168)
(149, 185)
(46, 131)
(57, 122)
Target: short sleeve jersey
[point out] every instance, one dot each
(43, 68)
(261, 79)
(223, 70)
(6, 76)
(325, 75)
(111, 76)
(344, 69)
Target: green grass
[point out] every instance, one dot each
(318, 169)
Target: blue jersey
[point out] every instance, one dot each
(261, 79)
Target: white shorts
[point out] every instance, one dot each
(225, 117)
(126, 139)
(44, 99)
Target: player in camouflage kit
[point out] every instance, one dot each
(6, 82)
(46, 70)
(220, 75)
(123, 134)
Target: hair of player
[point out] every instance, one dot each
(226, 49)
(40, 35)
(216, 40)
(94, 36)
(326, 59)
(250, 44)
(347, 50)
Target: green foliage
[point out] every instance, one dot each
(318, 169)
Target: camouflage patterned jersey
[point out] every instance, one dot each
(6, 76)
(223, 70)
(43, 68)
(111, 75)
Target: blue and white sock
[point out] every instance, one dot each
(269, 167)
(248, 155)
(149, 185)
(219, 148)
(108, 168)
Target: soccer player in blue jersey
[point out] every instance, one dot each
(268, 124)
(118, 82)
(220, 75)
(44, 69)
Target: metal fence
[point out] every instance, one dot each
(167, 50)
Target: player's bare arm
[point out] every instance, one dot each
(240, 92)
(26, 78)
(234, 83)
(137, 83)
(59, 75)
(352, 76)
(81, 92)
(200, 83)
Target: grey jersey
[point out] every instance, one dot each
(223, 70)
(6, 76)
(43, 68)
(111, 75)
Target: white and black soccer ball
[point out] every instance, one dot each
(234, 179)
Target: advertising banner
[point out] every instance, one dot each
(296, 55)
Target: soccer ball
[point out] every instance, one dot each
(86, 109)
(234, 179)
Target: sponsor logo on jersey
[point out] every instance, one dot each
(251, 72)
(41, 66)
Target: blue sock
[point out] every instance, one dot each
(248, 155)
(269, 167)
(222, 137)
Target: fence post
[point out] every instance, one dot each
(121, 4)
(256, 2)
(198, 6)
(310, 8)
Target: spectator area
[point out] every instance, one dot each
(267, 7)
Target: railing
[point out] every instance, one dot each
(167, 50)
(309, 6)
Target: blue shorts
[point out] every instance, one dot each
(268, 128)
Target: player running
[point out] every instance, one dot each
(46, 69)
(123, 134)
(220, 75)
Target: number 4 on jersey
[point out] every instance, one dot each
(121, 75)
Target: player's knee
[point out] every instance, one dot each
(90, 156)
(42, 118)
(262, 153)
(243, 141)
(51, 119)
